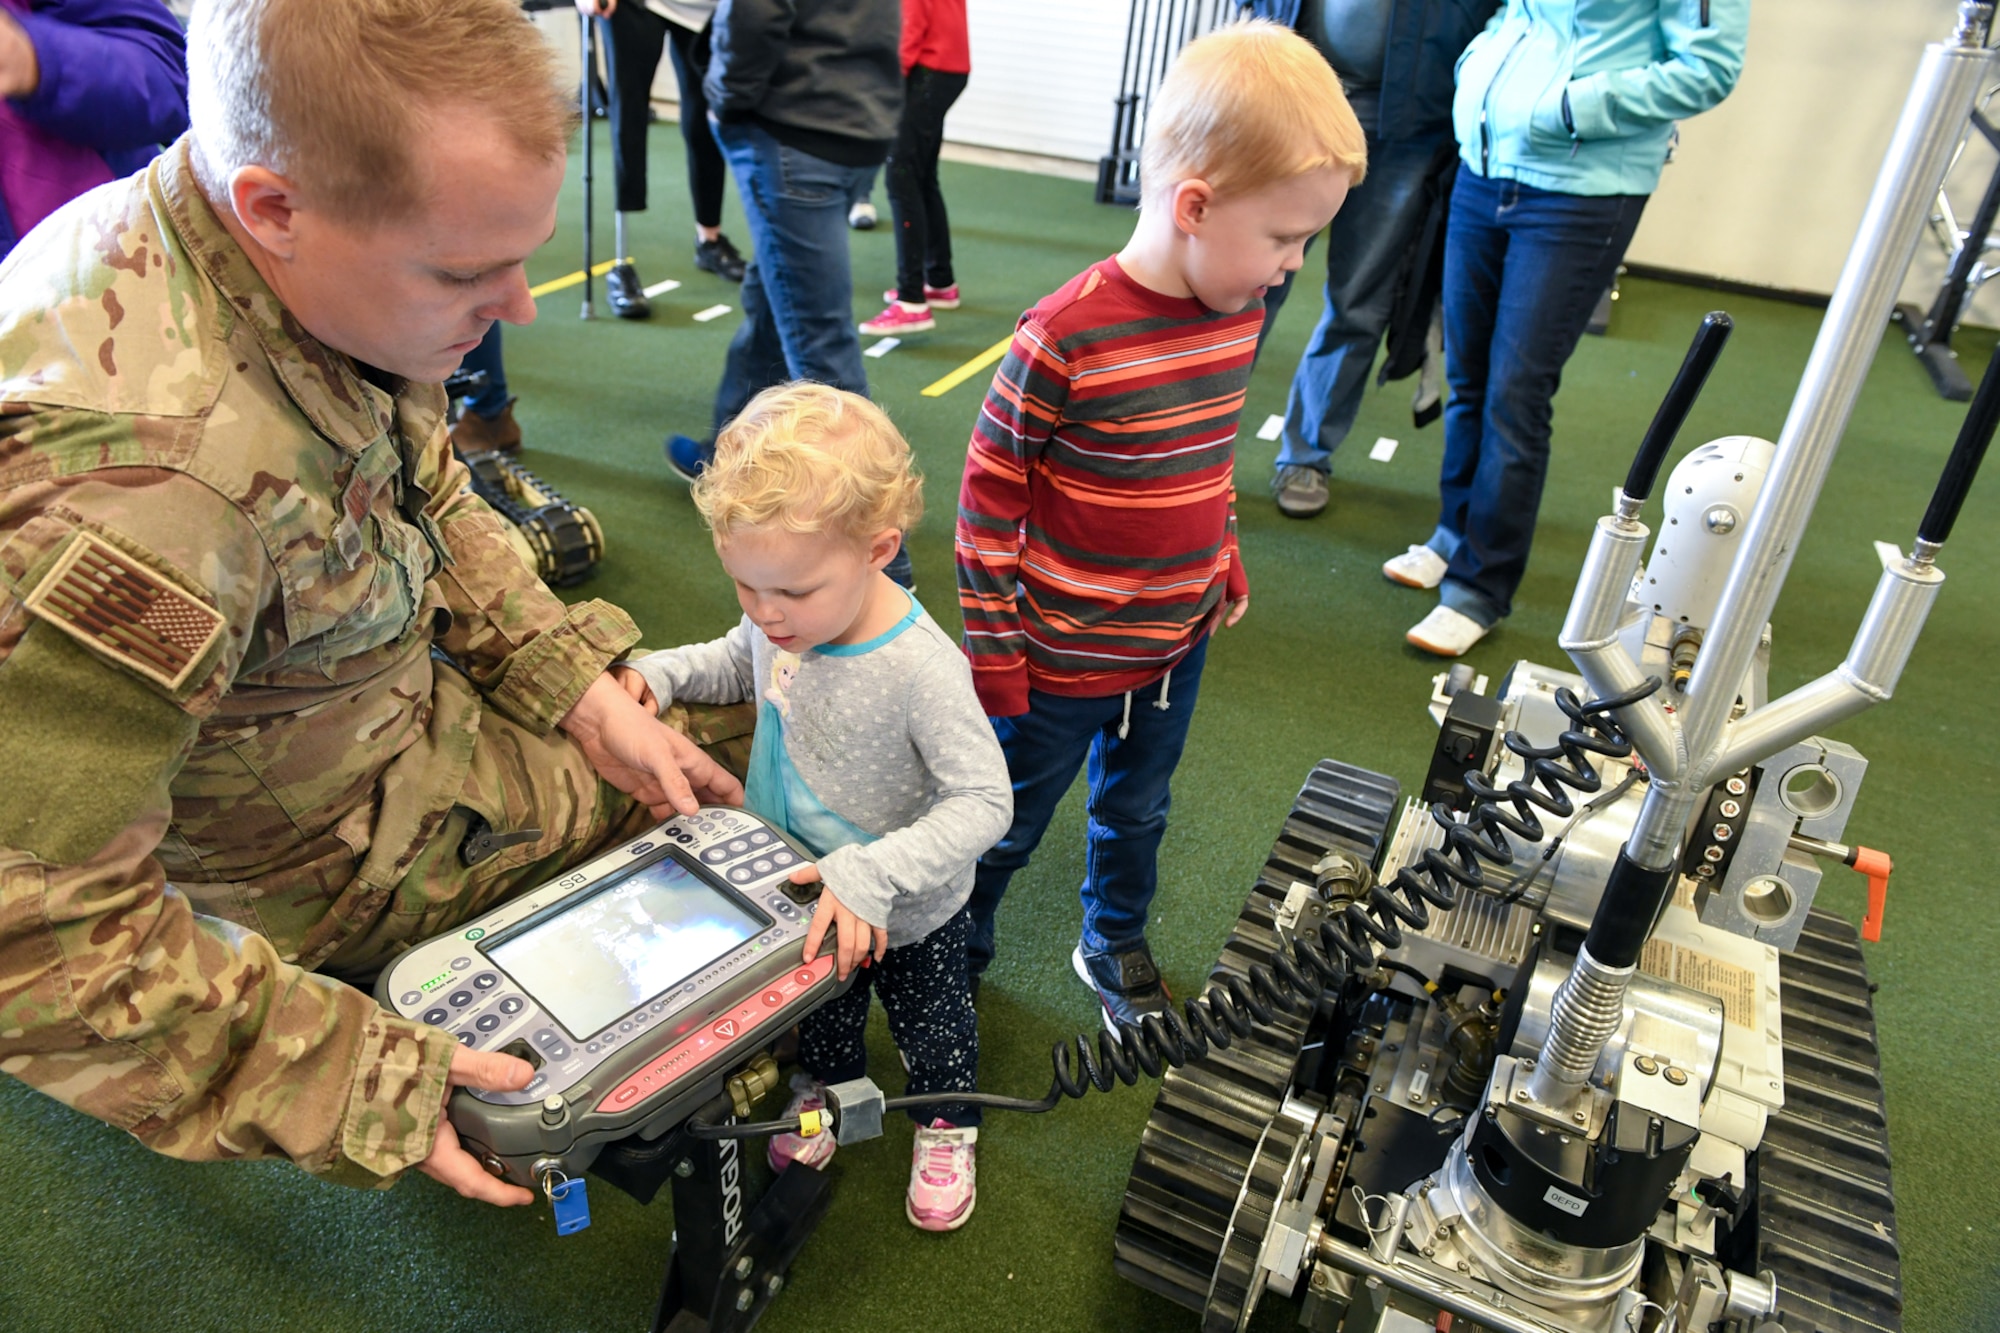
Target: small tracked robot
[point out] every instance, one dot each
(561, 540)
(1565, 1047)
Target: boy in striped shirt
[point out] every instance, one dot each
(1096, 523)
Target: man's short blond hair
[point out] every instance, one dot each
(1248, 105)
(807, 457)
(335, 95)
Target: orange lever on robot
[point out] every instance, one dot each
(1876, 865)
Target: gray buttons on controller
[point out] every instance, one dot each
(487, 1022)
(485, 981)
(715, 855)
(783, 858)
(436, 1016)
(759, 838)
(465, 1038)
(590, 1048)
(741, 876)
(459, 999)
(460, 964)
(762, 865)
(412, 998)
(512, 1005)
(626, 1026)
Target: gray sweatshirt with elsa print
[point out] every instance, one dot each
(892, 739)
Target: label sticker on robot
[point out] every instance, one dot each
(572, 1206)
(1734, 985)
(1569, 1203)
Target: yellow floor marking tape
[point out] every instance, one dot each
(969, 369)
(572, 279)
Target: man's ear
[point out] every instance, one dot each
(1189, 205)
(267, 206)
(882, 548)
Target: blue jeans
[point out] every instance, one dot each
(1367, 252)
(492, 400)
(1128, 801)
(798, 293)
(1523, 269)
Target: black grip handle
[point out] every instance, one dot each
(1963, 465)
(1715, 329)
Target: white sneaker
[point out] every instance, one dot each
(1446, 632)
(861, 217)
(1418, 567)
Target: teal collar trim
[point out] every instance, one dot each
(870, 645)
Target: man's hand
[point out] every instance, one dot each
(1227, 613)
(635, 685)
(854, 938)
(20, 70)
(603, 9)
(450, 1164)
(643, 757)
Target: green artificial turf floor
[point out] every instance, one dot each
(97, 1233)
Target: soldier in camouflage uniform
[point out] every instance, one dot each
(268, 667)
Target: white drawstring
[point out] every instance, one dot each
(1125, 722)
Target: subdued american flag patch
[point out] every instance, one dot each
(117, 607)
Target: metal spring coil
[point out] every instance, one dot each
(1234, 1007)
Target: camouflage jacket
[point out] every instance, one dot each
(225, 558)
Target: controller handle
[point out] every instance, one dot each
(1715, 329)
(1973, 436)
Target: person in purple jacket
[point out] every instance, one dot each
(89, 90)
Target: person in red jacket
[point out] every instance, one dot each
(937, 58)
(1097, 518)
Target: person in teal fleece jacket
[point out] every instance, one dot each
(1565, 114)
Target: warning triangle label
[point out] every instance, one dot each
(726, 1028)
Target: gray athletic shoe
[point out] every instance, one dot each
(1299, 490)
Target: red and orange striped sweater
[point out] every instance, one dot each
(1097, 517)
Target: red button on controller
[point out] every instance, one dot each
(699, 1048)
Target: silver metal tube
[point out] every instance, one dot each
(1590, 637)
(1415, 1282)
(1933, 118)
(1881, 649)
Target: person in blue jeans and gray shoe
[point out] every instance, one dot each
(1395, 60)
(1565, 113)
(805, 97)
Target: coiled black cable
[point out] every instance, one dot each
(1293, 981)
(1234, 1007)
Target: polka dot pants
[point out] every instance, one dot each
(926, 993)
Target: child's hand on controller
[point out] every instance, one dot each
(855, 940)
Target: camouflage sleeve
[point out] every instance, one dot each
(116, 996)
(529, 654)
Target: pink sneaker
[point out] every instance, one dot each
(938, 298)
(943, 1177)
(784, 1149)
(899, 319)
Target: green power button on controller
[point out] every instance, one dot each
(475, 933)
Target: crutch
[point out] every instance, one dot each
(584, 100)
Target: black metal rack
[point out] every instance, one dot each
(1154, 35)
(1930, 330)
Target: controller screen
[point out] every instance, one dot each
(591, 965)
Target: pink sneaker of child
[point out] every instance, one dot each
(942, 1177)
(938, 298)
(785, 1149)
(899, 319)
